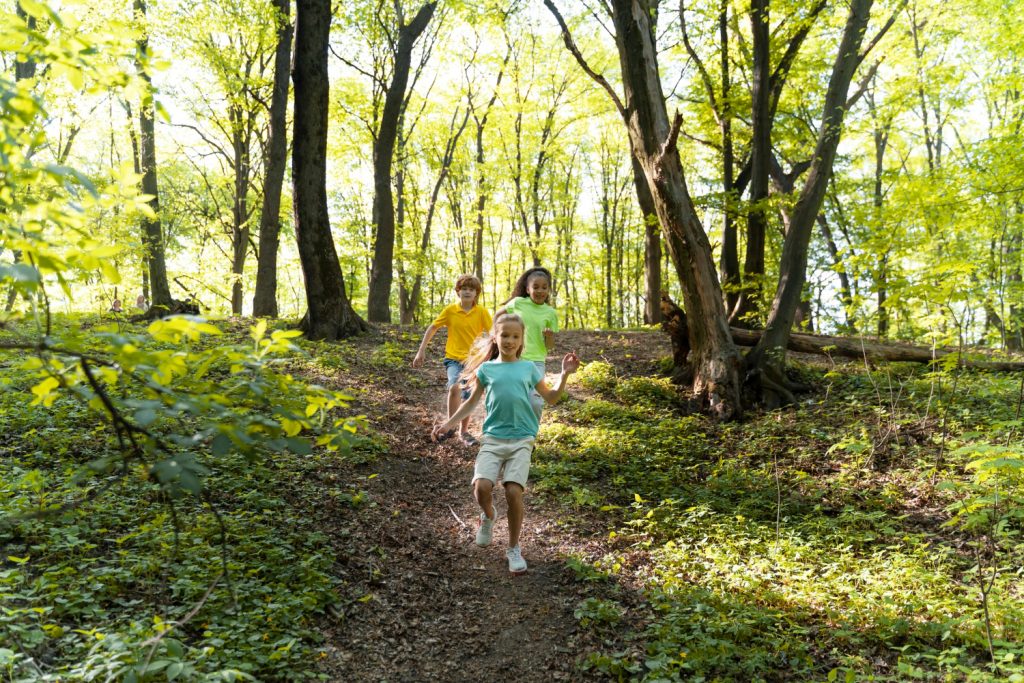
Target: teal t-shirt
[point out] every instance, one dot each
(537, 318)
(507, 399)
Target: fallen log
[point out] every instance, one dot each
(873, 350)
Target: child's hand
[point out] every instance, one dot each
(549, 337)
(440, 432)
(418, 360)
(570, 363)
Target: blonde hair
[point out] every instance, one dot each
(471, 280)
(485, 347)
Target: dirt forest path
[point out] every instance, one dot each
(429, 604)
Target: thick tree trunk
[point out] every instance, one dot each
(152, 234)
(264, 300)
(713, 356)
(379, 300)
(330, 314)
(767, 359)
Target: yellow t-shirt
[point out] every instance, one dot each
(463, 328)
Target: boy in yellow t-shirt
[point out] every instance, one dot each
(465, 321)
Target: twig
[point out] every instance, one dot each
(464, 525)
(155, 640)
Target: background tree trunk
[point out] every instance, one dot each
(264, 301)
(330, 314)
(152, 234)
(652, 244)
(760, 153)
(379, 300)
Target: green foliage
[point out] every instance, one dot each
(777, 549)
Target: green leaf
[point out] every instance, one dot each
(221, 445)
(299, 446)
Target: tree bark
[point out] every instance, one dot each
(264, 301)
(381, 276)
(152, 234)
(767, 359)
(652, 244)
(330, 314)
(760, 145)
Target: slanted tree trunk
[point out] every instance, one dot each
(766, 362)
(330, 314)
(264, 301)
(713, 357)
(381, 276)
(152, 233)
(480, 119)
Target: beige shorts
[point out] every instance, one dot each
(505, 458)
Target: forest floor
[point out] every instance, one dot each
(436, 606)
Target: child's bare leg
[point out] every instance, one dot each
(455, 399)
(482, 489)
(514, 499)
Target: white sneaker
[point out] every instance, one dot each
(483, 532)
(516, 563)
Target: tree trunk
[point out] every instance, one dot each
(760, 162)
(264, 300)
(379, 300)
(330, 314)
(870, 349)
(729, 263)
(652, 244)
(768, 357)
(240, 143)
(152, 234)
(446, 163)
(713, 357)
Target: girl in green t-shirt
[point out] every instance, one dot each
(530, 300)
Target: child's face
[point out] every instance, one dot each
(538, 289)
(467, 294)
(510, 339)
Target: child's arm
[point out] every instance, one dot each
(570, 364)
(549, 338)
(421, 354)
(464, 410)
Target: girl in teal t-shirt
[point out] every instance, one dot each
(495, 369)
(530, 300)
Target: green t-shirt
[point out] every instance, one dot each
(507, 399)
(537, 317)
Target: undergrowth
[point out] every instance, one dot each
(872, 534)
(106, 577)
